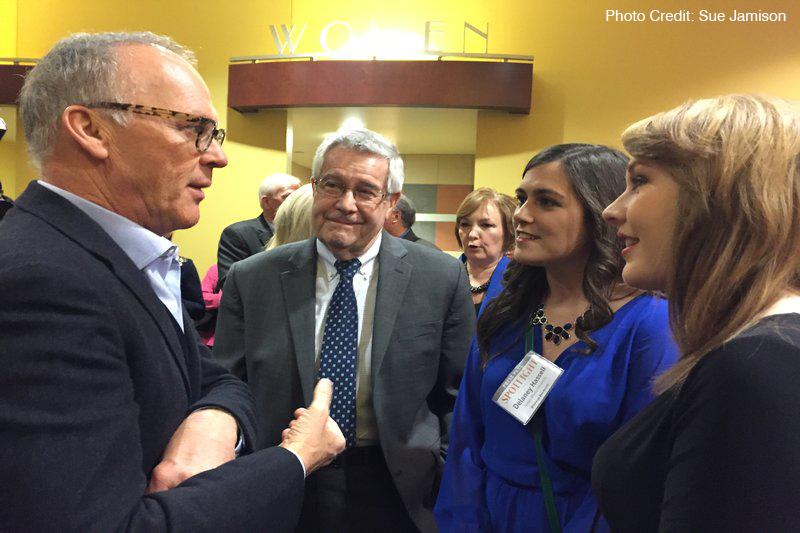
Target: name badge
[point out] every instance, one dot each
(526, 387)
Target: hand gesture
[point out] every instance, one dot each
(313, 435)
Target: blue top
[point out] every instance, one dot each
(491, 478)
(495, 281)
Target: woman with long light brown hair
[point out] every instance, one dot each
(711, 217)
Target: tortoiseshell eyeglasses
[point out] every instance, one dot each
(206, 128)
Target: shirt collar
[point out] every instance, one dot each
(140, 244)
(328, 259)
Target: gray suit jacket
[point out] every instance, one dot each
(413, 237)
(424, 322)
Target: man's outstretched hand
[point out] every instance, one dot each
(313, 435)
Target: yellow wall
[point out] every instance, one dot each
(591, 78)
(8, 146)
(8, 28)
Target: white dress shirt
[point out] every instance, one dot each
(365, 286)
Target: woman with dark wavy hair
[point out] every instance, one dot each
(564, 299)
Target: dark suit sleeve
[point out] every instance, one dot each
(232, 248)
(191, 293)
(229, 337)
(70, 446)
(459, 328)
(222, 390)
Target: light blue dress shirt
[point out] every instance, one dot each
(154, 255)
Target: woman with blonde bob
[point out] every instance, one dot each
(293, 219)
(711, 217)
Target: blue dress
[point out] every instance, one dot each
(491, 478)
(495, 283)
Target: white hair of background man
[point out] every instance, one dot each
(274, 183)
(364, 140)
(81, 69)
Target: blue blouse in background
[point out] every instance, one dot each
(495, 281)
(491, 478)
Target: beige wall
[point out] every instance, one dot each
(441, 169)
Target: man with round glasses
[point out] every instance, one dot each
(387, 320)
(114, 416)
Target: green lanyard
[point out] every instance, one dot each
(544, 474)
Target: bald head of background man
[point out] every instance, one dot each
(242, 239)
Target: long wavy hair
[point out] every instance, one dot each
(736, 241)
(597, 175)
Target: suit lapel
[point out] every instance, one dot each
(299, 297)
(263, 231)
(393, 276)
(77, 226)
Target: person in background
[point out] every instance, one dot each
(6, 203)
(207, 325)
(292, 223)
(485, 232)
(247, 237)
(711, 217)
(293, 220)
(564, 299)
(401, 218)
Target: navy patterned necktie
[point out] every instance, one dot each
(339, 357)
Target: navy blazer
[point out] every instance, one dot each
(239, 241)
(94, 380)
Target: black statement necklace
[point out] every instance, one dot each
(552, 333)
(477, 289)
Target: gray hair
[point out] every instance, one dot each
(274, 182)
(407, 212)
(82, 68)
(363, 140)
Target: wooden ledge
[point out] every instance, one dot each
(502, 86)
